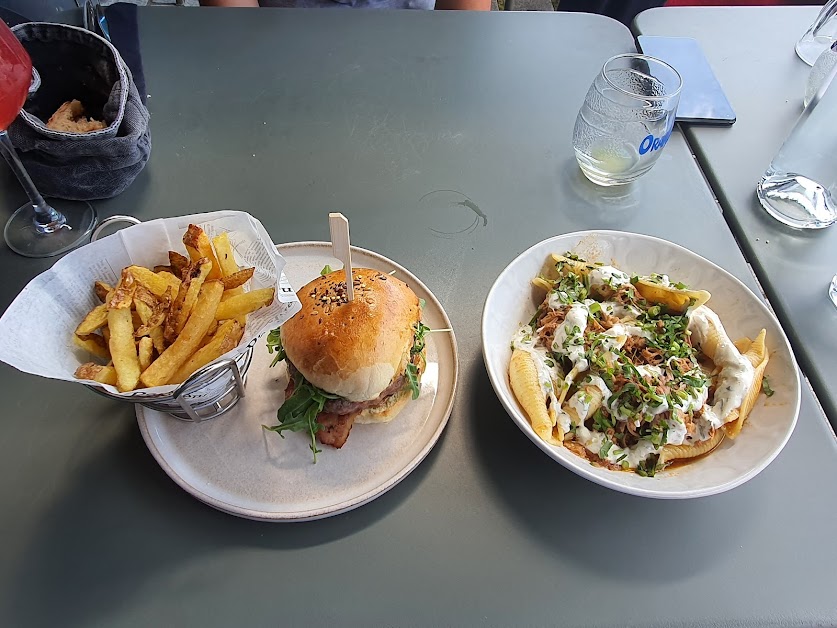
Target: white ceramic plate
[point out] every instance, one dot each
(512, 301)
(233, 464)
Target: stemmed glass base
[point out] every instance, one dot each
(29, 237)
(37, 229)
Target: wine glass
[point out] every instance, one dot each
(36, 229)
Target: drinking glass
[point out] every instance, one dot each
(626, 119)
(36, 229)
(821, 34)
(799, 186)
(832, 290)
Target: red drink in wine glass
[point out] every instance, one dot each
(15, 77)
(36, 229)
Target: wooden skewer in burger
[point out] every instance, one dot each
(355, 352)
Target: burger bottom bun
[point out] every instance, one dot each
(386, 412)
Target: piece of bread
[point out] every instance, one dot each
(69, 118)
(352, 349)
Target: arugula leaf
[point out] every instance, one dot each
(412, 379)
(419, 342)
(326, 270)
(765, 386)
(300, 410)
(274, 344)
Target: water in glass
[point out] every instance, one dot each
(626, 119)
(798, 186)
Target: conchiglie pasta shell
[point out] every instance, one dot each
(756, 353)
(682, 452)
(523, 377)
(595, 404)
(677, 301)
(709, 346)
(543, 284)
(568, 265)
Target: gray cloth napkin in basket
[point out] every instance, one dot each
(74, 63)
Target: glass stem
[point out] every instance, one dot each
(46, 219)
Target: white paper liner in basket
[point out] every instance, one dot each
(36, 330)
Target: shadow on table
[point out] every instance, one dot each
(604, 531)
(124, 523)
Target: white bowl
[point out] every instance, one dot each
(512, 301)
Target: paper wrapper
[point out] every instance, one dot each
(36, 331)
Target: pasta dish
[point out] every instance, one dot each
(631, 372)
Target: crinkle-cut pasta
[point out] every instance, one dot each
(595, 403)
(676, 300)
(682, 452)
(756, 352)
(523, 377)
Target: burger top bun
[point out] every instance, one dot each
(352, 349)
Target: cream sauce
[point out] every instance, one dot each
(736, 373)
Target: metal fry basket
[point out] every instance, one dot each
(208, 393)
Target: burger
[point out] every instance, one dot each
(349, 362)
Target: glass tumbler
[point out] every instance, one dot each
(799, 187)
(626, 119)
(820, 35)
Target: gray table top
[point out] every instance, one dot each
(290, 114)
(751, 51)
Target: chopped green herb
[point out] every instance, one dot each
(765, 386)
(326, 270)
(422, 303)
(605, 448)
(680, 285)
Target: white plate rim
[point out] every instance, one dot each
(551, 451)
(355, 502)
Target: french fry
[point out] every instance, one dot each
(198, 246)
(145, 351)
(238, 278)
(226, 259)
(202, 270)
(102, 289)
(94, 344)
(178, 263)
(123, 350)
(213, 327)
(97, 373)
(152, 318)
(225, 339)
(166, 365)
(243, 304)
(156, 283)
(193, 278)
(122, 296)
(151, 321)
(145, 295)
(95, 319)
